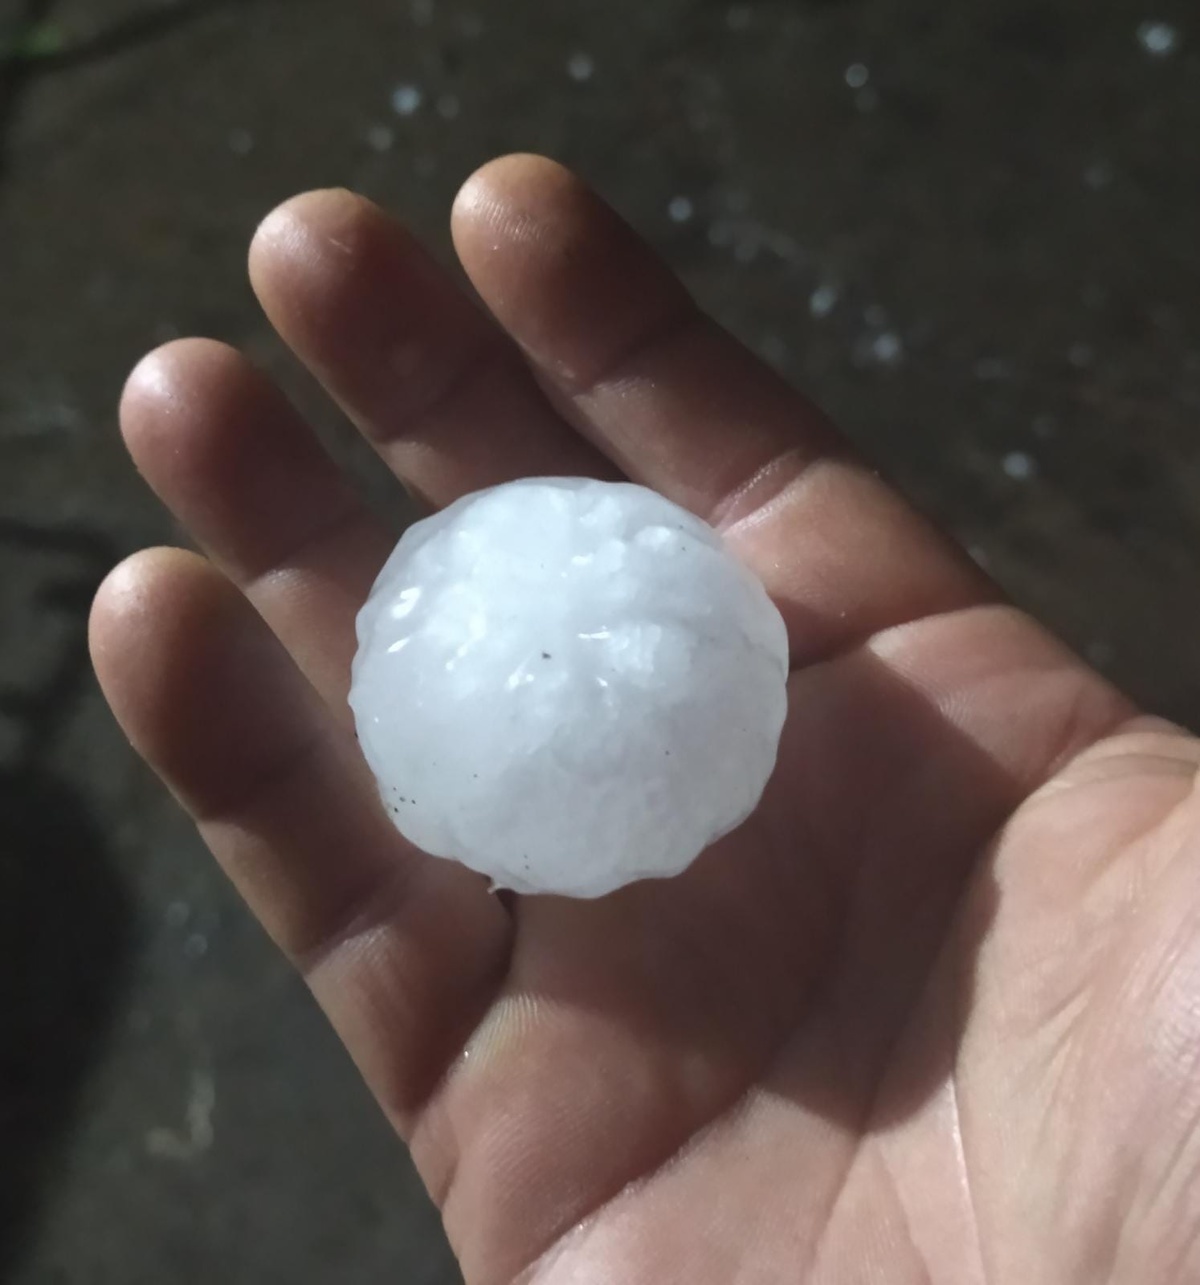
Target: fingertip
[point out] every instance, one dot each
(303, 227)
(167, 379)
(185, 414)
(110, 605)
(291, 216)
(153, 584)
(151, 385)
(559, 269)
(278, 239)
(136, 609)
(505, 195)
(189, 670)
(511, 176)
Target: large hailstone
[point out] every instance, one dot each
(568, 685)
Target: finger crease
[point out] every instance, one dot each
(755, 499)
(361, 917)
(271, 779)
(441, 395)
(668, 329)
(348, 515)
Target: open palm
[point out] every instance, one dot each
(932, 1014)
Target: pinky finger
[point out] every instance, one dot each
(400, 949)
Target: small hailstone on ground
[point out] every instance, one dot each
(823, 300)
(857, 75)
(581, 67)
(568, 685)
(888, 348)
(1157, 38)
(1019, 465)
(680, 209)
(407, 100)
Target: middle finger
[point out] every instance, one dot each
(431, 382)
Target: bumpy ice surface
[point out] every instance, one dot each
(568, 685)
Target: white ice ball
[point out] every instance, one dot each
(568, 685)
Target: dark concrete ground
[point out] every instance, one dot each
(969, 230)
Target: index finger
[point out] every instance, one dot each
(681, 406)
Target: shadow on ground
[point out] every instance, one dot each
(65, 915)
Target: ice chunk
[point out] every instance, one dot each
(568, 685)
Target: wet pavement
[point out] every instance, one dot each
(969, 231)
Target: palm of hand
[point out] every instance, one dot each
(930, 1015)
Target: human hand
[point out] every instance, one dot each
(932, 1014)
